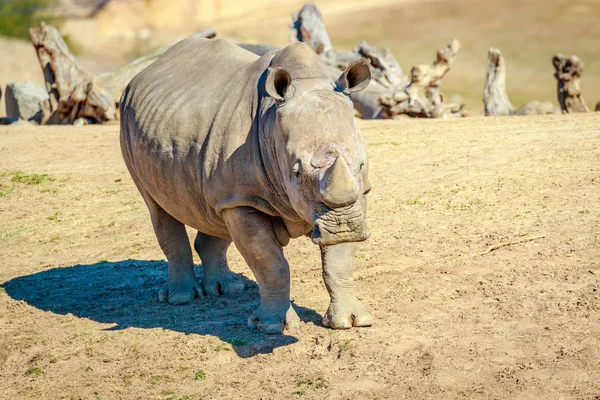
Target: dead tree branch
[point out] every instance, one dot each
(503, 244)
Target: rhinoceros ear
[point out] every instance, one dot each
(356, 77)
(278, 84)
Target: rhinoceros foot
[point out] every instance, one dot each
(272, 321)
(180, 291)
(346, 315)
(225, 282)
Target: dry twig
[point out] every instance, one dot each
(522, 240)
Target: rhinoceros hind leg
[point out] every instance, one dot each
(345, 310)
(254, 236)
(218, 278)
(181, 286)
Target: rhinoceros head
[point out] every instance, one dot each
(318, 150)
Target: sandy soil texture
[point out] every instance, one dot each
(80, 270)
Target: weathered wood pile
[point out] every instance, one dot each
(568, 76)
(74, 94)
(391, 93)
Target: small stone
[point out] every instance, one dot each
(80, 122)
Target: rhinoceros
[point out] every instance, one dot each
(254, 150)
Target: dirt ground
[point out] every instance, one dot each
(80, 270)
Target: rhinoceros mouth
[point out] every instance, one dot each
(340, 225)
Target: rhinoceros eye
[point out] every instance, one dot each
(297, 169)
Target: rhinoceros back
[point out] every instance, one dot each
(182, 119)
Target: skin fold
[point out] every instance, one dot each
(255, 151)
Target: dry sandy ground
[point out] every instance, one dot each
(79, 316)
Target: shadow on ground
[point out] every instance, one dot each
(126, 293)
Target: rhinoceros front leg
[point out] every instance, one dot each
(345, 310)
(218, 278)
(182, 285)
(253, 235)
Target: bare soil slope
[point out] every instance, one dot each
(79, 316)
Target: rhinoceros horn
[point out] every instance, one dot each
(338, 187)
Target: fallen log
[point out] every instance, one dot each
(74, 93)
(568, 76)
(391, 93)
(495, 98)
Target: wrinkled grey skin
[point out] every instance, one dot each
(255, 151)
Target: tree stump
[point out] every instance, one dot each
(72, 92)
(495, 98)
(568, 76)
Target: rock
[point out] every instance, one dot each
(80, 122)
(23, 101)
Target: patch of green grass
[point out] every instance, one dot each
(414, 202)
(320, 385)
(53, 239)
(103, 261)
(73, 45)
(184, 397)
(310, 383)
(463, 206)
(300, 392)
(223, 347)
(19, 16)
(127, 380)
(345, 345)
(55, 217)
(199, 375)
(393, 143)
(48, 190)
(33, 371)
(167, 392)
(9, 235)
(31, 179)
(5, 190)
(159, 378)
